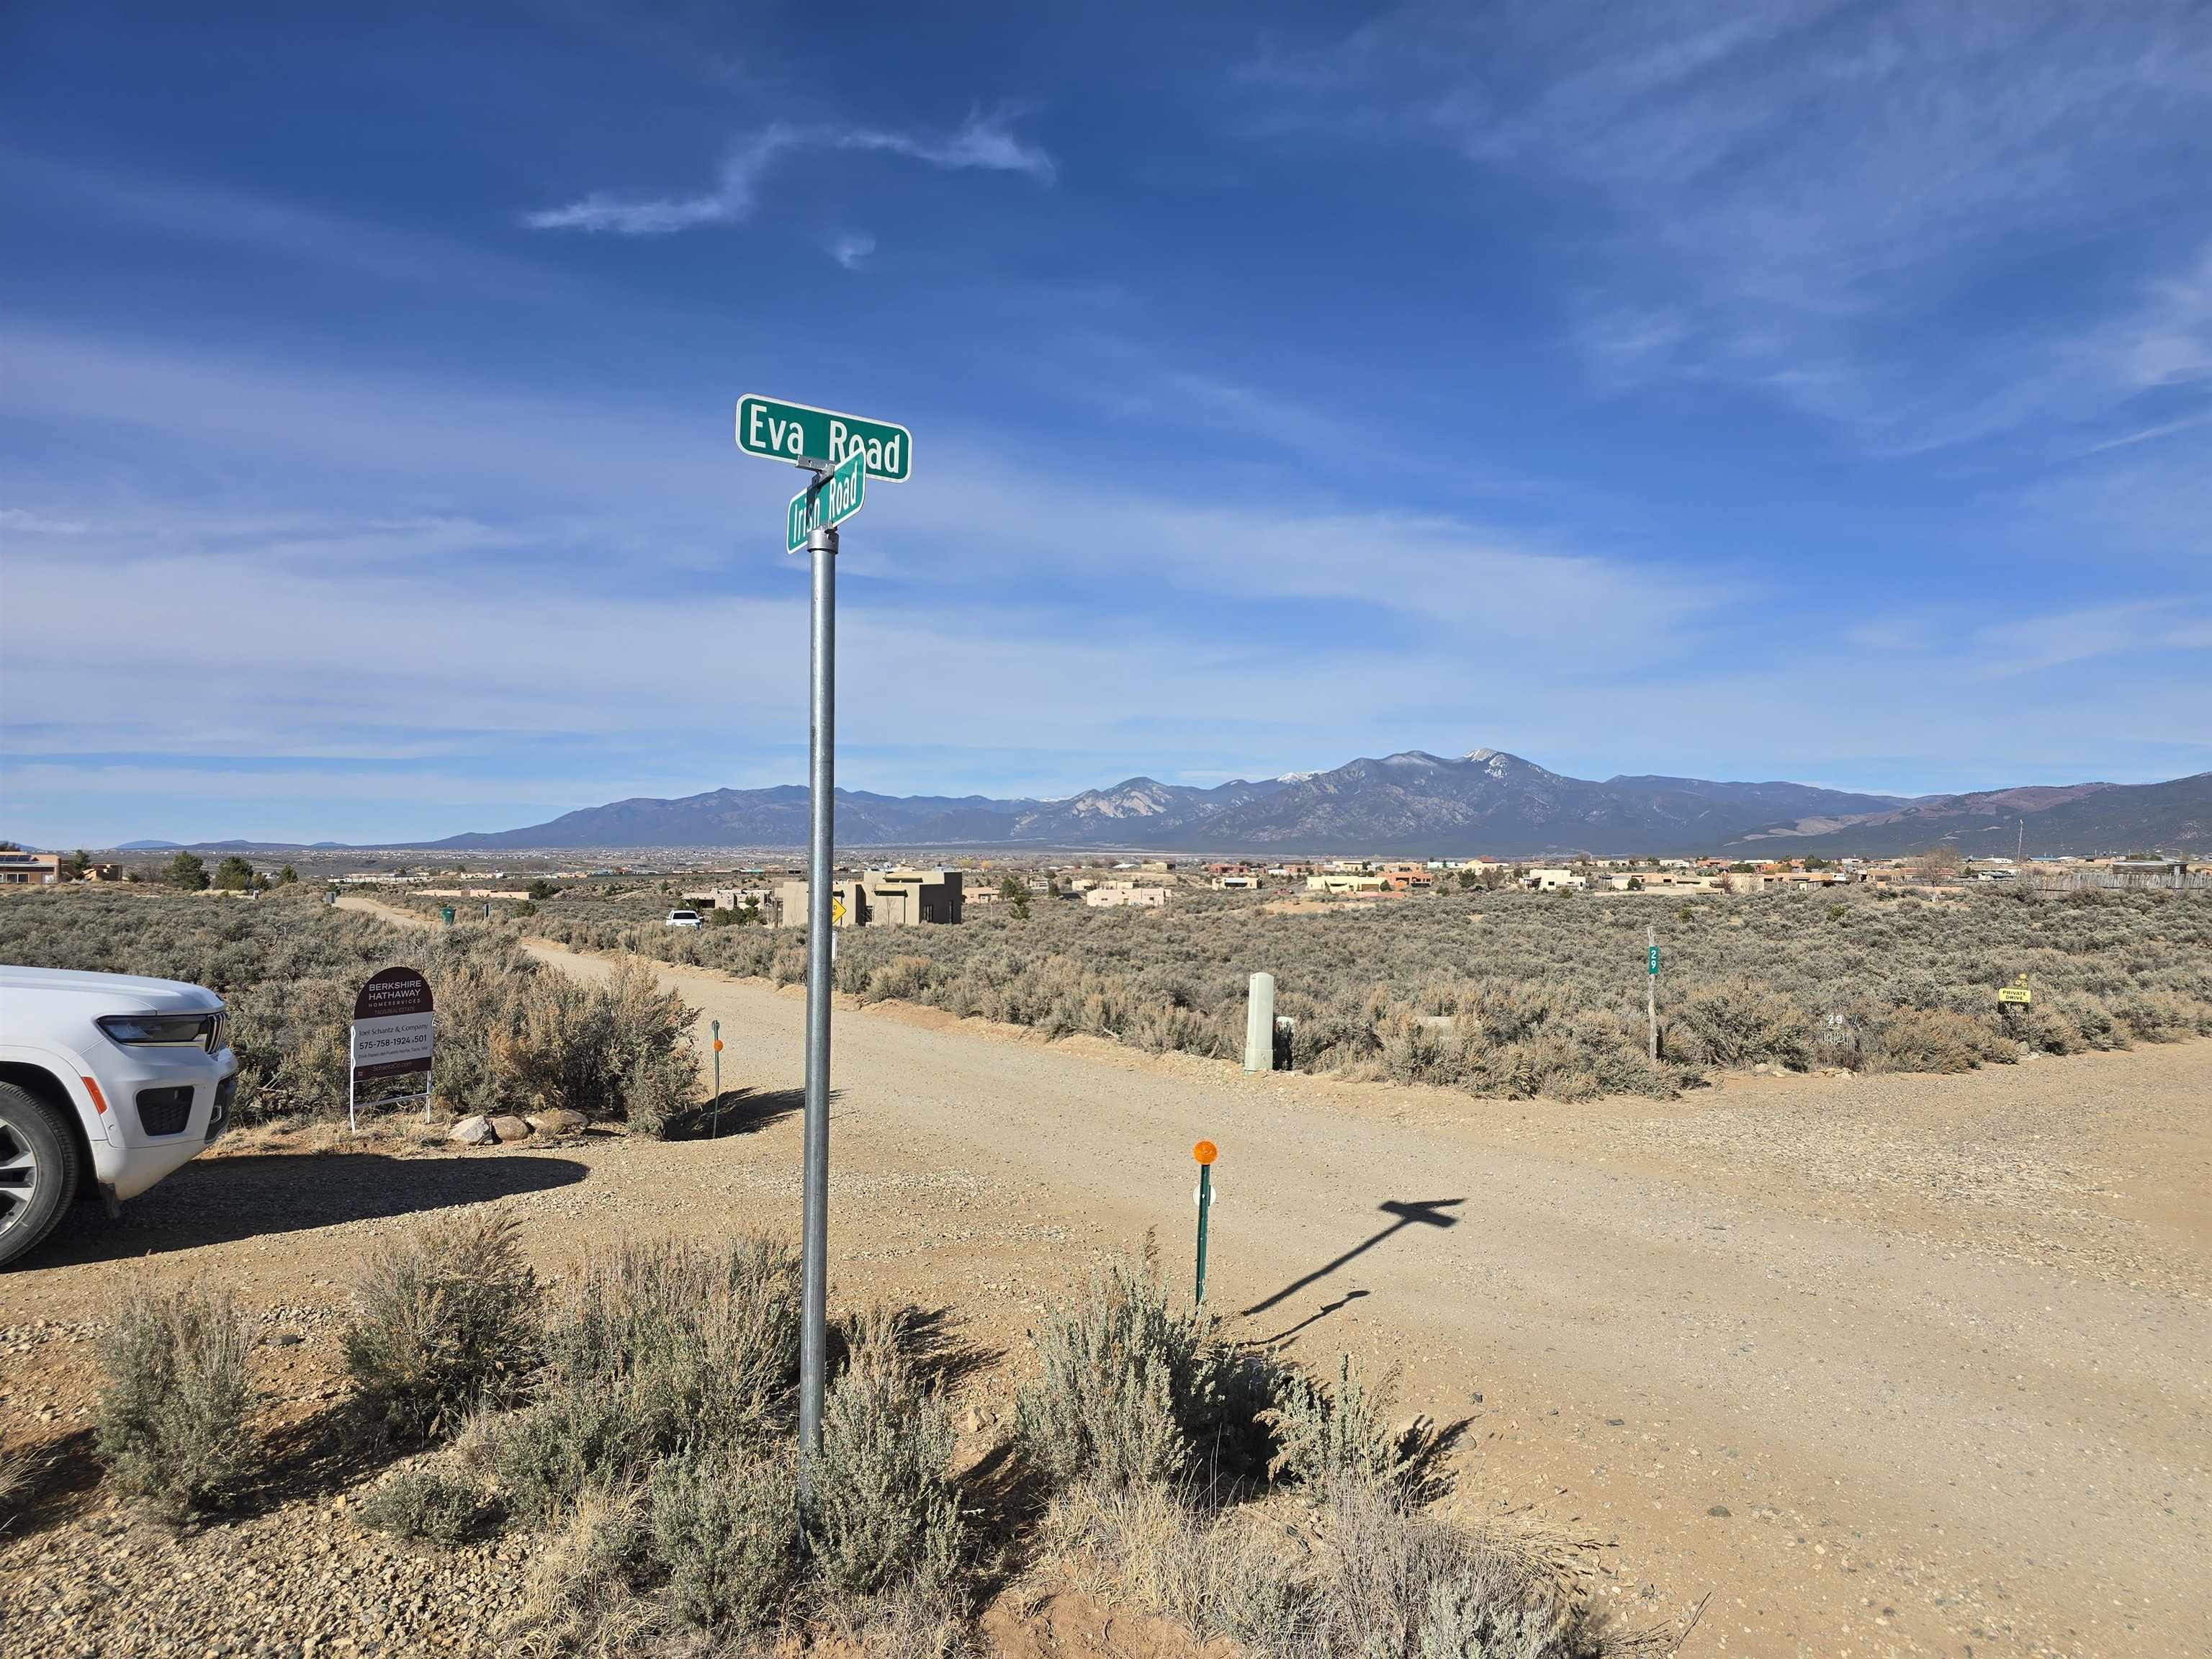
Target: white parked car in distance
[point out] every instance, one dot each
(683, 918)
(105, 1080)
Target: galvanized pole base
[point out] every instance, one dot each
(814, 1224)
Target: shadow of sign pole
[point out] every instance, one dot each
(1409, 1213)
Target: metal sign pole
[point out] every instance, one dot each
(814, 1226)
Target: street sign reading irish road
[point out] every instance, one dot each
(801, 432)
(834, 499)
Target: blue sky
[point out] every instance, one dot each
(1787, 389)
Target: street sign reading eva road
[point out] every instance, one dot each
(836, 499)
(799, 432)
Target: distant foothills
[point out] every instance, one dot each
(1409, 804)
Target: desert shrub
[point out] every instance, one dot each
(1329, 1435)
(433, 1501)
(726, 1528)
(1129, 1391)
(2157, 1016)
(172, 1421)
(1737, 1023)
(582, 1596)
(615, 1050)
(1394, 1581)
(884, 1510)
(667, 1344)
(1220, 1572)
(448, 1318)
(904, 978)
(1381, 1579)
(1925, 1040)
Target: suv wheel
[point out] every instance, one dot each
(38, 1171)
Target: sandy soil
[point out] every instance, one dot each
(1902, 1365)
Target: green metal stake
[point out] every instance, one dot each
(1205, 1153)
(716, 1133)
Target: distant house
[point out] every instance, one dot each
(1126, 894)
(880, 898)
(1544, 880)
(1344, 881)
(19, 869)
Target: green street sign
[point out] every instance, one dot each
(1651, 960)
(799, 432)
(836, 499)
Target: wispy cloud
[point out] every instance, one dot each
(1807, 195)
(851, 247)
(981, 141)
(188, 210)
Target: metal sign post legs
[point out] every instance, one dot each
(814, 1226)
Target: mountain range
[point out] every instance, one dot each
(1414, 802)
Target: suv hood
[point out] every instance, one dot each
(113, 993)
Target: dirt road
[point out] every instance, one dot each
(1947, 1379)
(1886, 1365)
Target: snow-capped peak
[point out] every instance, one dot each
(1298, 777)
(1480, 755)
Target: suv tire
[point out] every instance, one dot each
(40, 1170)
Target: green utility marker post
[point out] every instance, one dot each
(1205, 1153)
(1651, 992)
(716, 1133)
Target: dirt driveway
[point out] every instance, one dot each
(1885, 1365)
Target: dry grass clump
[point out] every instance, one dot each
(584, 1595)
(18, 1467)
(448, 1318)
(171, 1423)
(1366, 1574)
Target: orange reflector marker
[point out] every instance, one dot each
(99, 1100)
(718, 1045)
(1206, 1152)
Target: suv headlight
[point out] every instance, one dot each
(207, 1030)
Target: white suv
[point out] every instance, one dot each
(683, 918)
(103, 1077)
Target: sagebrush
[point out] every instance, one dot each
(1516, 994)
(447, 1319)
(172, 1417)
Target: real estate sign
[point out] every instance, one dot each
(392, 1022)
(801, 432)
